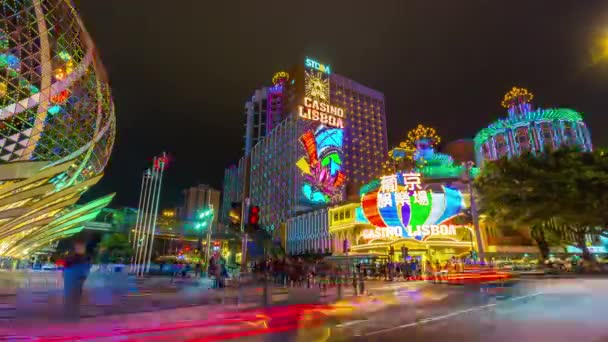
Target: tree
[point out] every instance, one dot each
(511, 192)
(562, 192)
(584, 199)
(114, 248)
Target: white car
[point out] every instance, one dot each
(49, 267)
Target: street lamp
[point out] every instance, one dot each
(466, 178)
(205, 218)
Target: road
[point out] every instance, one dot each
(530, 310)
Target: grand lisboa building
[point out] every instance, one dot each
(528, 130)
(57, 124)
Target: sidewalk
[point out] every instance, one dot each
(105, 297)
(230, 309)
(227, 311)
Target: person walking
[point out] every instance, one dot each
(211, 272)
(414, 269)
(197, 270)
(75, 273)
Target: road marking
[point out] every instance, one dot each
(442, 317)
(344, 325)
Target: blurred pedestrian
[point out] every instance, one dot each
(75, 272)
(212, 272)
(197, 269)
(414, 269)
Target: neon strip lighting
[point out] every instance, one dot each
(438, 208)
(340, 177)
(308, 140)
(369, 203)
(453, 203)
(389, 214)
(420, 212)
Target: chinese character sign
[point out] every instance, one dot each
(388, 183)
(412, 181)
(402, 200)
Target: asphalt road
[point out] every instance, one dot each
(530, 310)
(527, 310)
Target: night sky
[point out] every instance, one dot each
(181, 70)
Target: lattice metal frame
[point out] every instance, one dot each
(55, 103)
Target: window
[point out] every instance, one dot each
(335, 217)
(341, 215)
(348, 214)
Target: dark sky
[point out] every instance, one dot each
(181, 70)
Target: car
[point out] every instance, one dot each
(50, 267)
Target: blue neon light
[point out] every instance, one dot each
(453, 203)
(360, 216)
(330, 137)
(390, 214)
(54, 110)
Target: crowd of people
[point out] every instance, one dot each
(288, 271)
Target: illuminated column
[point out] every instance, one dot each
(147, 222)
(137, 234)
(147, 215)
(133, 239)
(141, 226)
(158, 170)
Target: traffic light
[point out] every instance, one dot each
(254, 215)
(235, 213)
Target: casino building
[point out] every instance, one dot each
(526, 129)
(325, 137)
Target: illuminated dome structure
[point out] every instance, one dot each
(57, 120)
(419, 149)
(528, 130)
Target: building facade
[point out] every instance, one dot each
(264, 111)
(365, 137)
(332, 138)
(530, 130)
(274, 178)
(309, 233)
(310, 137)
(231, 192)
(199, 197)
(255, 118)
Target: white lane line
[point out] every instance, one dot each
(438, 318)
(346, 324)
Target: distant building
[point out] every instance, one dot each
(461, 151)
(231, 192)
(262, 113)
(529, 130)
(200, 197)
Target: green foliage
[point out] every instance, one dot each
(564, 191)
(114, 248)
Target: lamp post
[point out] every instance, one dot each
(466, 177)
(205, 220)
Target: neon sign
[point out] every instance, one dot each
(421, 231)
(401, 200)
(433, 229)
(311, 63)
(382, 233)
(322, 165)
(319, 111)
